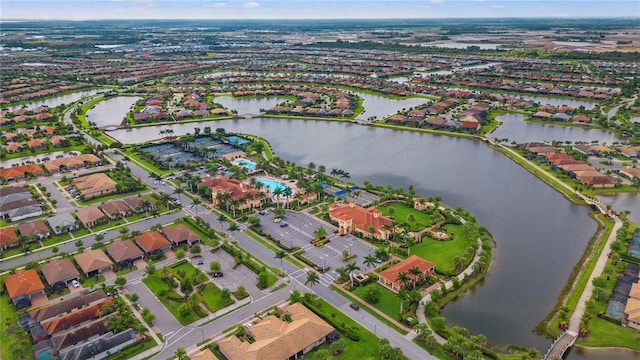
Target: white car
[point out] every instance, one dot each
(102, 232)
(75, 284)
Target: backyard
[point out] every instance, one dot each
(212, 297)
(388, 302)
(443, 253)
(402, 214)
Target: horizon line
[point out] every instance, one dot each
(334, 18)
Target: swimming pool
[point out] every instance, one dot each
(246, 163)
(271, 184)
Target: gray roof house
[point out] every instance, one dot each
(62, 222)
(98, 348)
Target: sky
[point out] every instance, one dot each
(311, 9)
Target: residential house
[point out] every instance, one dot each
(124, 252)
(20, 172)
(542, 115)
(100, 347)
(136, 203)
(389, 277)
(246, 195)
(205, 354)
(116, 209)
(180, 234)
(36, 144)
(152, 241)
(59, 141)
(627, 152)
(13, 147)
(632, 308)
(581, 120)
(59, 272)
(20, 209)
(93, 262)
(420, 203)
(62, 222)
(583, 149)
(78, 335)
(561, 117)
(279, 339)
(631, 171)
(76, 317)
(352, 217)
(600, 149)
(8, 238)
(71, 163)
(67, 305)
(94, 185)
(23, 286)
(36, 229)
(90, 216)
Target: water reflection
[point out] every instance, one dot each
(111, 111)
(57, 101)
(248, 105)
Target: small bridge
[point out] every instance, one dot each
(558, 348)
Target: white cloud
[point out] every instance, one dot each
(251, 4)
(497, 6)
(217, 5)
(434, 2)
(144, 1)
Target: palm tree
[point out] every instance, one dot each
(280, 254)
(233, 227)
(350, 268)
(369, 260)
(312, 278)
(403, 277)
(287, 192)
(222, 218)
(178, 190)
(415, 272)
(195, 202)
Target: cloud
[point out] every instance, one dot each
(434, 2)
(217, 5)
(144, 1)
(251, 4)
(497, 6)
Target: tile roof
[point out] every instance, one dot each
(67, 305)
(18, 171)
(75, 317)
(180, 233)
(94, 184)
(92, 259)
(122, 250)
(236, 188)
(115, 207)
(205, 354)
(23, 282)
(78, 335)
(391, 273)
(7, 236)
(362, 218)
(151, 241)
(32, 228)
(89, 214)
(277, 339)
(70, 162)
(58, 270)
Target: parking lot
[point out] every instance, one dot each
(299, 232)
(231, 277)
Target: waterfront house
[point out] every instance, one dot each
(389, 277)
(351, 217)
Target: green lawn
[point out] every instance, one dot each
(56, 239)
(389, 302)
(604, 333)
(401, 214)
(189, 270)
(157, 285)
(92, 281)
(212, 299)
(365, 349)
(442, 253)
(10, 338)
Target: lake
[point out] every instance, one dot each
(111, 111)
(59, 100)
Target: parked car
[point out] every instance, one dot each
(277, 220)
(218, 274)
(200, 262)
(75, 283)
(102, 232)
(379, 261)
(354, 306)
(284, 224)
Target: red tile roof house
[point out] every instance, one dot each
(180, 235)
(8, 238)
(36, 144)
(236, 188)
(136, 203)
(74, 318)
(354, 217)
(59, 272)
(13, 147)
(36, 229)
(152, 241)
(93, 262)
(91, 216)
(116, 209)
(23, 286)
(20, 172)
(124, 252)
(389, 277)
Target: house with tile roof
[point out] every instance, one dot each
(23, 286)
(632, 308)
(71, 163)
(205, 354)
(180, 234)
(20, 172)
(93, 262)
(94, 185)
(236, 188)
(91, 216)
(352, 217)
(124, 252)
(631, 172)
(152, 241)
(8, 238)
(36, 229)
(279, 339)
(59, 272)
(389, 277)
(67, 305)
(75, 318)
(78, 335)
(136, 203)
(116, 209)
(62, 222)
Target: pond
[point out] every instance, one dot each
(111, 111)
(248, 105)
(59, 100)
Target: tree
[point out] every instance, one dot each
(225, 294)
(214, 266)
(295, 296)
(422, 330)
(179, 254)
(99, 237)
(371, 294)
(320, 232)
(369, 260)
(280, 254)
(150, 269)
(233, 227)
(181, 354)
(337, 347)
(415, 272)
(312, 278)
(120, 281)
(350, 268)
(195, 249)
(403, 277)
(263, 279)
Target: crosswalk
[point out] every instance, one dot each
(301, 276)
